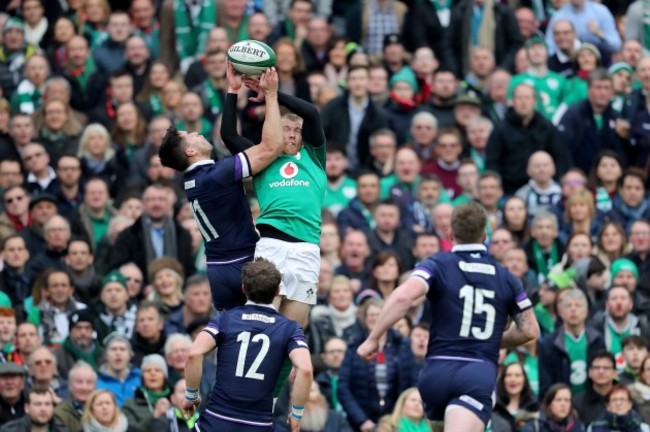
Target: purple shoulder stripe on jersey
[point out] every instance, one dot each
(417, 271)
(523, 302)
(212, 329)
(301, 342)
(238, 168)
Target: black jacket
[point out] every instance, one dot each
(336, 125)
(130, 246)
(24, 424)
(554, 363)
(511, 144)
(45, 260)
(582, 138)
(589, 404)
(12, 412)
(507, 38)
(425, 30)
(141, 348)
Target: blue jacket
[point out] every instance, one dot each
(123, 390)
(554, 363)
(109, 57)
(357, 390)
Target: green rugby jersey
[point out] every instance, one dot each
(291, 192)
(338, 198)
(551, 90)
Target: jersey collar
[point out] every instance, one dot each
(197, 164)
(470, 247)
(270, 305)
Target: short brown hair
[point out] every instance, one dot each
(260, 279)
(468, 223)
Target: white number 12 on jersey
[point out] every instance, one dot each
(245, 339)
(474, 304)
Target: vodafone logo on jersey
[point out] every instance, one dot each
(289, 170)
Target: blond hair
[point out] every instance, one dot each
(88, 409)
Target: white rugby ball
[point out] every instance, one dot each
(251, 57)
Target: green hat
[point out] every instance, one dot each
(13, 22)
(5, 301)
(535, 39)
(114, 276)
(467, 99)
(406, 75)
(624, 264)
(620, 66)
(562, 280)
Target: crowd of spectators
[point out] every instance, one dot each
(537, 110)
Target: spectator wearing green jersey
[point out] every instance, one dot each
(551, 87)
(341, 189)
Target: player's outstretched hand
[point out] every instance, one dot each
(190, 407)
(254, 85)
(269, 81)
(234, 79)
(294, 424)
(368, 349)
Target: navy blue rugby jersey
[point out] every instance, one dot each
(219, 204)
(253, 342)
(472, 297)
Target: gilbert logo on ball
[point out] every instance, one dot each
(289, 170)
(251, 57)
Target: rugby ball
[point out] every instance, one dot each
(251, 57)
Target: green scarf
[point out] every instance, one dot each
(544, 318)
(541, 262)
(192, 33)
(79, 354)
(406, 425)
(190, 422)
(153, 396)
(215, 101)
(156, 104)
(82, 74)
(27, 98)
(289, 29)
(240, 33)
(646, 24)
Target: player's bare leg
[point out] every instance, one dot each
(458, 418)
(295, 310)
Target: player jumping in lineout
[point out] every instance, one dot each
(216, 195)
(472, 297)
(290, 191)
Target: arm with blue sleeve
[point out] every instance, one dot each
(608, 26)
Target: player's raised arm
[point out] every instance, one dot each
(261, 155)
(312, 128)
(524, 330)
(234, 142)
(396, 307)
(204, 344)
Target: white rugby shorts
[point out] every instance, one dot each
(299, 264)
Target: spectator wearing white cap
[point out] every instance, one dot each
(152, 397)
